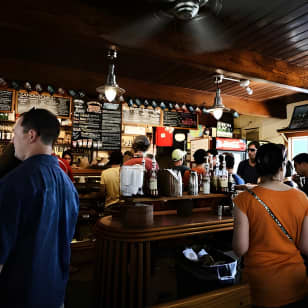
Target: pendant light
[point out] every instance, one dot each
(111, 90)
(218, 107)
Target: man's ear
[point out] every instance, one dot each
(33, 135)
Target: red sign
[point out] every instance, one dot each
(228, 144)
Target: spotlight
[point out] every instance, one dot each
(244, 83)
(249, 91)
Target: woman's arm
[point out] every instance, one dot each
(240, 242)
(303, 244)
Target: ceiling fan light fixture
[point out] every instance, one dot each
(186, 10)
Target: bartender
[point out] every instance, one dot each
(140, 145)
(247, 168)
(177, 157)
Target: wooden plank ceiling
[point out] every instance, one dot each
(65, 43)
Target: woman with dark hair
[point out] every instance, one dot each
(273, 261)
(68, 156)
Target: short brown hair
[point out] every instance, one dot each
(43, 122)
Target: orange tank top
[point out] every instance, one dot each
(273, 264)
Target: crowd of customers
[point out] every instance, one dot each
(270, 229)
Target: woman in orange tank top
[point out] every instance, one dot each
(273, 263)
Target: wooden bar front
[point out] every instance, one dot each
(124, 254)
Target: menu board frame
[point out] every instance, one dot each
(125, 122)
(179, 127)
(118, 114)
(47, 95)
(2, 89)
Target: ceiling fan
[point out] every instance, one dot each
(193, 24)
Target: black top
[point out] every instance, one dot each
(304, 186)
(248, 173)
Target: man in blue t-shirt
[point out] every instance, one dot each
(38, 213)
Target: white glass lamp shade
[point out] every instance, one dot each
(217, 113)
(110, 93)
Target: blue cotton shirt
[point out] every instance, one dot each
(38, 213)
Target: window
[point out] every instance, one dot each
(297, 145)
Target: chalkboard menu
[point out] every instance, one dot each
(6, 100)
(59, 105)
(141, 116)
(97, 125)
(79, 108)
(87, 120)
(111, 126)
(180, 119)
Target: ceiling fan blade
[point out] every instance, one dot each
(139, 31)
(205, 33)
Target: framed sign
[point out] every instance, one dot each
(7, 98)
(141, 116)
(180, 119)
(57, 104)
(299, 117)
(200, 143)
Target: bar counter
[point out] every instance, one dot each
(123, 267)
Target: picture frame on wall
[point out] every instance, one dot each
(299, 118)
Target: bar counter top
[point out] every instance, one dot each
(185, 196)
(164, 226)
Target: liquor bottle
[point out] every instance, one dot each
(223, 177)
(142, 189)
(231, 183)
(200, 181)
(153, 190)
(215, 178)
(206, 181)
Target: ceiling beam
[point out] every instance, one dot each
(68, 78)
(289, 99)
(244, 65)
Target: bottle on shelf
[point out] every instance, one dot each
(215, 178)
(200, 181)
(206, 180)
(231, 183)
(153, 190)
(223, 176)
(142, 189)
